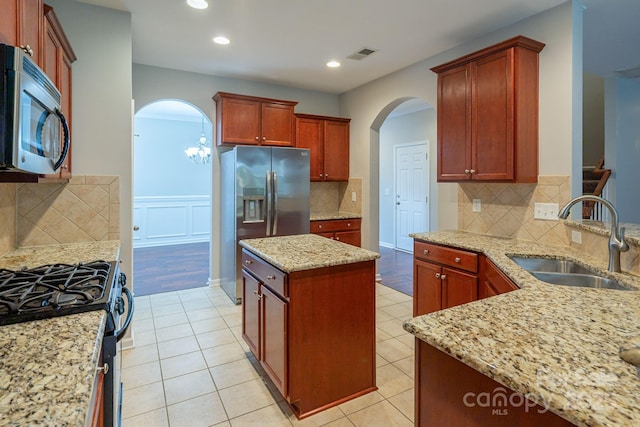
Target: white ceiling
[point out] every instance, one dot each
(288, 42)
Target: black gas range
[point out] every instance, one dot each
(63, 289)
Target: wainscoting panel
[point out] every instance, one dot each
(171, 220)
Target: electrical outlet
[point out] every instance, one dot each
(546, 211)
(353, 196)
(476, 205)
(576, 236)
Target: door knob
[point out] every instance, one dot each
(136, 228)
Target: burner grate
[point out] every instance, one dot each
(52, 288)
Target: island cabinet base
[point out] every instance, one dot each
(450, 393)
(321, 350)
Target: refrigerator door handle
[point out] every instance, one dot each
(275, 203)
(269, 208)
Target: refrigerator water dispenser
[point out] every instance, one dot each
(253, 209)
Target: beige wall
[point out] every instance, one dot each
(369, 105)
(86, 209)
(7, 217)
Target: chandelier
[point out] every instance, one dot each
(200, 153)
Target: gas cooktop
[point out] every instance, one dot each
(54, 290)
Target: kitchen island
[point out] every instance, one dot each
(556, 345)
(308, 316)
(48, 367)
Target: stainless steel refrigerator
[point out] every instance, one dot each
(264, 192)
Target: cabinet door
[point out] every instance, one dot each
(493, 118)
(349, 237)
(458, 288)
(31, 15)
(310, 134)
(9, 22)
(251, 313)
(274, 338)
(427, 288)
(336, 151)
(493, 281)
(454, 124)
(277, 125)
(239, 122)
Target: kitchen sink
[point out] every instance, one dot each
(566, 273)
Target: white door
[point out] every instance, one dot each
(412, 192)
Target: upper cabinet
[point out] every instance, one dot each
(327, 138)
(56, 62)
(488, 114)
(248, 120)
(21, 24)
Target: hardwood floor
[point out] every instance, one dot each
(396, 270)
(161, 269)
(170, 268)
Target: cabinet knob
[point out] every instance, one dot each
(472, 171)
(104, 369)
(257, 138)
(457, 260)
(466, 171)
(255, 292)
(320, 175)
(437, 275)
(348, 224)
(65, 167)
(326, 175)
(259, 296)
(425, 252)
(443, 276)
(319, 226)
(337, 238)
(248, 262)
(271, 277)
(264, 138)
(28, 50)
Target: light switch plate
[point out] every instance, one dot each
(476, 205)
(576, 236)
(546, 211)
(353, 196)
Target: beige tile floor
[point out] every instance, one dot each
(191, 367)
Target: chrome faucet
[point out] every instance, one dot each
(617, 243)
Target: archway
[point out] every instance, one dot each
(172, 197)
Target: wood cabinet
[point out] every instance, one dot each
(308, 328)
(248, 120)
(21, 23)
(488, 114)
(443, 277)
(327, 139)
(450, 393)
(57, 59)
(343, 230)
(492, 280)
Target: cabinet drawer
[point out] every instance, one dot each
(335, 225)
(266, 273)
(446, 256)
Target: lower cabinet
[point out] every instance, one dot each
(443, 277)
(313, 331)
(450, 393)
(492, 280)
(343, 230)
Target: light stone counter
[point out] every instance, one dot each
(557, 345)
(333, 215)
(306, 252)
(47, 367)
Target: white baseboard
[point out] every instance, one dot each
(386, 245)
(214, 282)
(127, 342)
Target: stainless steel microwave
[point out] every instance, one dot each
(34, 136)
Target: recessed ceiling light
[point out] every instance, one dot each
(221, 40)
(333, 64)
(198, 4)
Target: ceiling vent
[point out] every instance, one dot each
(361, 54)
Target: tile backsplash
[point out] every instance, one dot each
(507, 209)
(7, 217)
(331, 197)
(85, 209)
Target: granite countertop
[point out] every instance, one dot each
(306, 252)
(334, 215)
(557, 345)
(47, 367)
(631, 231)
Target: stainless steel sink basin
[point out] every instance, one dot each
(566, 273)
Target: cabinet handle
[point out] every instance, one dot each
(437, 275)
(248, 262)
(457, 260)
(271, 277)
(444, 276)
(104, 369)
(426, 252)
